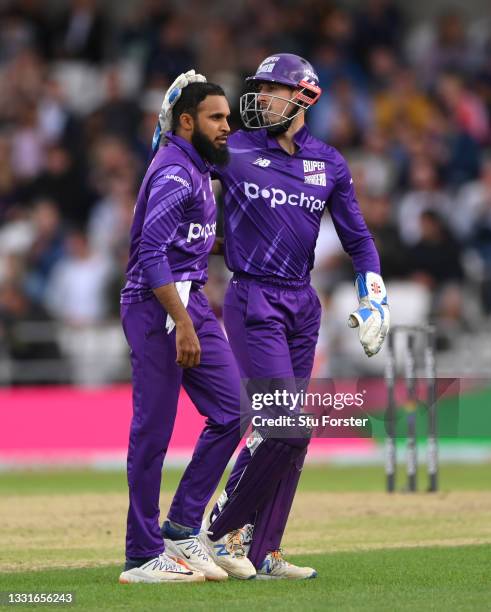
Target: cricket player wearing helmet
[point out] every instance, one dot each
(279, 182)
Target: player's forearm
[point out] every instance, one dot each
(169, 298)
(364, 255)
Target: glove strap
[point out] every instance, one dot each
(371, 288)
(156, 139)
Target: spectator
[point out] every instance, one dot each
(376, 164)
(466, 109)
(9, 187)
(56, 121)
(394, 258)
(63, 182)
(118, 115)
(81, 33)
(46, 250)
(16, 310)
(425, 194)
(110, 220)
(343, 104)
(76, 290)
(27, 142)
(435, 261)
(172, 53)
(441, 46)
(378, 24)
(402, 102)
(474, 204)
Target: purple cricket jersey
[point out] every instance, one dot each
(274, 202)
(174, 225)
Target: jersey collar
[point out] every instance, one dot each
(300, 139)
(190, 151)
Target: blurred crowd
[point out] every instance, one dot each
(408, 103)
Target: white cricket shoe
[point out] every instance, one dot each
(228, 552)
(161, 569)
(276, 567)
(193, 553)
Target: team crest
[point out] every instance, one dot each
(314, 172)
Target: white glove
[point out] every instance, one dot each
(372, 316)
(171, 96)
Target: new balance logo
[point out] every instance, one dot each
(221, 550)
(260, 161)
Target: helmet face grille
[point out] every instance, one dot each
(257, 113)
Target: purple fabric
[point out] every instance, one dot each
(270, 520)
(273, 332)
(268, 464)
(174, 226)
(214, 388)
(274, 202)
(285, 68)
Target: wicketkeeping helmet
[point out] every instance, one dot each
(285, 69)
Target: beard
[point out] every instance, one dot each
(215, 156)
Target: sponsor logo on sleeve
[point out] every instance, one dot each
(197, 231)
(178, 179)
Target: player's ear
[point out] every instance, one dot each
(186, 121)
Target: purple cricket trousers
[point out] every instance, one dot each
(272, 328)
(214, 388)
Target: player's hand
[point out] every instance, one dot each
(372, 317)
(188, 348)
(171, 96)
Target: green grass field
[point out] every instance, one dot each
(64, 531)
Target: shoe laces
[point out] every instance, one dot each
(234, 543)
(277, 557)
(196, 547)
(170, 563)
(247, 531)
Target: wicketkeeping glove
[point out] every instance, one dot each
(372, 316)
(172, 95)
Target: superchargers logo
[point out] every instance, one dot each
(279, 197)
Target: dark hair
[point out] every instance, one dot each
(191, 97)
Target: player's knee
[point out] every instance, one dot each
(227, 421)
(278, 445)
(300, 443)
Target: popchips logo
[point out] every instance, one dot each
(278, 197)
(196, 230)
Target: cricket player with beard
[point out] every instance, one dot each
(175, 339)
(279, 182)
